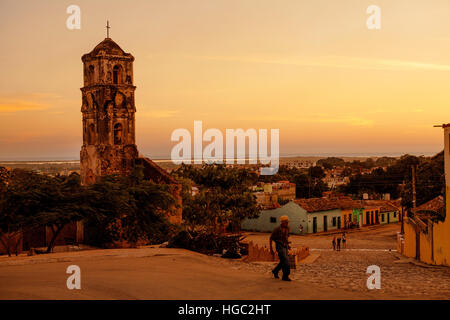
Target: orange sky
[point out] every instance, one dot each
(309, 68)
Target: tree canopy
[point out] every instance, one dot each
(115, 208)
(331, 162)
(224, 195)
(396, 179)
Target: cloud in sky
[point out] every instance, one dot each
(20, 105)
(30, 101)
(345, 120)
(334, 62)
(160, 114)
(318, 118)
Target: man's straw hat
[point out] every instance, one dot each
(284, 218)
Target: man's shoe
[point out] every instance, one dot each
(286, 279)
(275, 274)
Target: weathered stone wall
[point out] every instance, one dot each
(108, 110)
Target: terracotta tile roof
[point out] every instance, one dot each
(344, 202)
(435, 204)
(397, 203)
(324, 204)
(361, 204)
(154, 172)
(350, 204)
(430, 209)
(384, 205)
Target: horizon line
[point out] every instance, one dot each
(282, 156)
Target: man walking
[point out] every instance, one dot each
(280, 236)
(344, 240)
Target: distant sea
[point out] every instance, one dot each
(75, 159)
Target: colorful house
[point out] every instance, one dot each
(324, 214)
(352, 216)
(361, 214)
(270, 219)
(370, 215)
(427, 232)
(313, 215)
(388, 212)
(347, 217)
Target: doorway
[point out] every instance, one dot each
(325, 224)
(315, 225)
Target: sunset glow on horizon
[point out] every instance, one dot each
(311, 69)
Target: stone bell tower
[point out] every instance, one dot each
(108, 112)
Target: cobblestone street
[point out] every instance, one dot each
(346, 269)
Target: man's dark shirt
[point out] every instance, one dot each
(280, 235)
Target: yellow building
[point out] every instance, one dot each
(347, 217)
(427, 234)
(370, 215)
(387, 211)
(359, 213)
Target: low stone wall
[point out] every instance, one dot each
(257, 253)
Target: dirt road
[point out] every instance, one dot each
(154, 274)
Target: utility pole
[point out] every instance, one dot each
(414, 211)
(402, 212)
(309, 182)
(413, 172)
(414, 188)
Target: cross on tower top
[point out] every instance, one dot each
(107, 28)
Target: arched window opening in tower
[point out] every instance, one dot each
(117, 74)
(91, 134)
(91, 74)
(117, 133)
